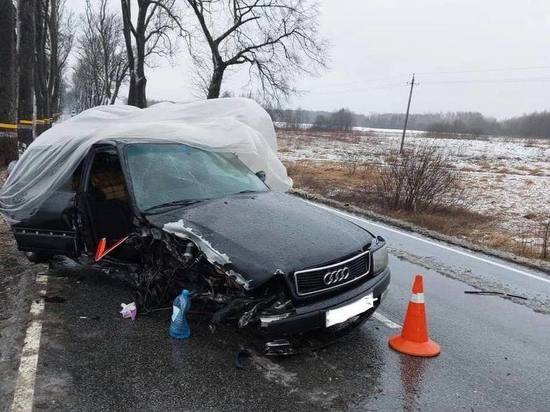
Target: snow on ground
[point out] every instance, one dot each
(505, 177)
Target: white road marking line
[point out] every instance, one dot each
(24, 388)
(386, 321)
(460, 252)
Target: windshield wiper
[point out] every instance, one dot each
(172, 204)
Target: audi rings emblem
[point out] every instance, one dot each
(336, 276)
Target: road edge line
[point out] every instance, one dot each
(386, 321)
(406, 227)
(24, 389)
(431, 242)
(470, 252)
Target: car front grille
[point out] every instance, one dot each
(325, 278)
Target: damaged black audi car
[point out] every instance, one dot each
(175, 215)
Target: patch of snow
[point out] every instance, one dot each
(508, 178)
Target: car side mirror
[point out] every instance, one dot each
(261, 175)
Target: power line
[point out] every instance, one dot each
(374, 80)
(325, 90)
(402, 75)
(505, 80)
(334, 89)
(501, 69)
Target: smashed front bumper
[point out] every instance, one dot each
(313, 316)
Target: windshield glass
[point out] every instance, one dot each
(167, 173)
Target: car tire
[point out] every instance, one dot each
(38, 257)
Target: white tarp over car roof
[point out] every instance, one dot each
(234, 125)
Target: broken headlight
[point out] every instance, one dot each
(379, 256)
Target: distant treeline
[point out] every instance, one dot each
(530, 125)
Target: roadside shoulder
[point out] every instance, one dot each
(536, 264)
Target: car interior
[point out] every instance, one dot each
(107, 196)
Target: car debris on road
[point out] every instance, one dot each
(128, 311)
(493, 292)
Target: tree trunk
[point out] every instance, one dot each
(53, 28)
(115, 93)
(119, 78)
(40, 86)
(132, 89)
(26, 62)
(140, 79)
(127, 31)
(140, 87)
(8, 83)
(216, 83)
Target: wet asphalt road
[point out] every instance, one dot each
(495, 351)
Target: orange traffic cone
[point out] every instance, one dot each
(414, 339)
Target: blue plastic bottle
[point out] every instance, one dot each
(179, 328)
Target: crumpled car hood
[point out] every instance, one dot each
(261, 234)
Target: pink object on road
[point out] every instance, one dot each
(128, 310)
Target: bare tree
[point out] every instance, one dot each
(277, 39)
(8, 82)
(341, 120)
(65, 34)
(54, 39)
(149, 34)
(102, 66)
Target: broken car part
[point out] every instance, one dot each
(493, 292)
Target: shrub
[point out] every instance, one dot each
(351, 161)
(419, 179)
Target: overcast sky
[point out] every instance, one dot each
(490, 56)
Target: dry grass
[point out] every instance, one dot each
(332, 180)
(537, 171)
(537, 142)
(353, 137)
(485, 165)
(503, 171)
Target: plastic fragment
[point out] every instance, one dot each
(128, 310)
(493, 292)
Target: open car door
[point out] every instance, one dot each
(51, 230)
(103, 206)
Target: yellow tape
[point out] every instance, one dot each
(27, 122)
(8, 126)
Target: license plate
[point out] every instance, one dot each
(341, 314)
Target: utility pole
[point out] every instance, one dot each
(407, 116)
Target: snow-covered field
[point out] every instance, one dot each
(505, 177)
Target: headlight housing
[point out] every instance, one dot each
(380, 258)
